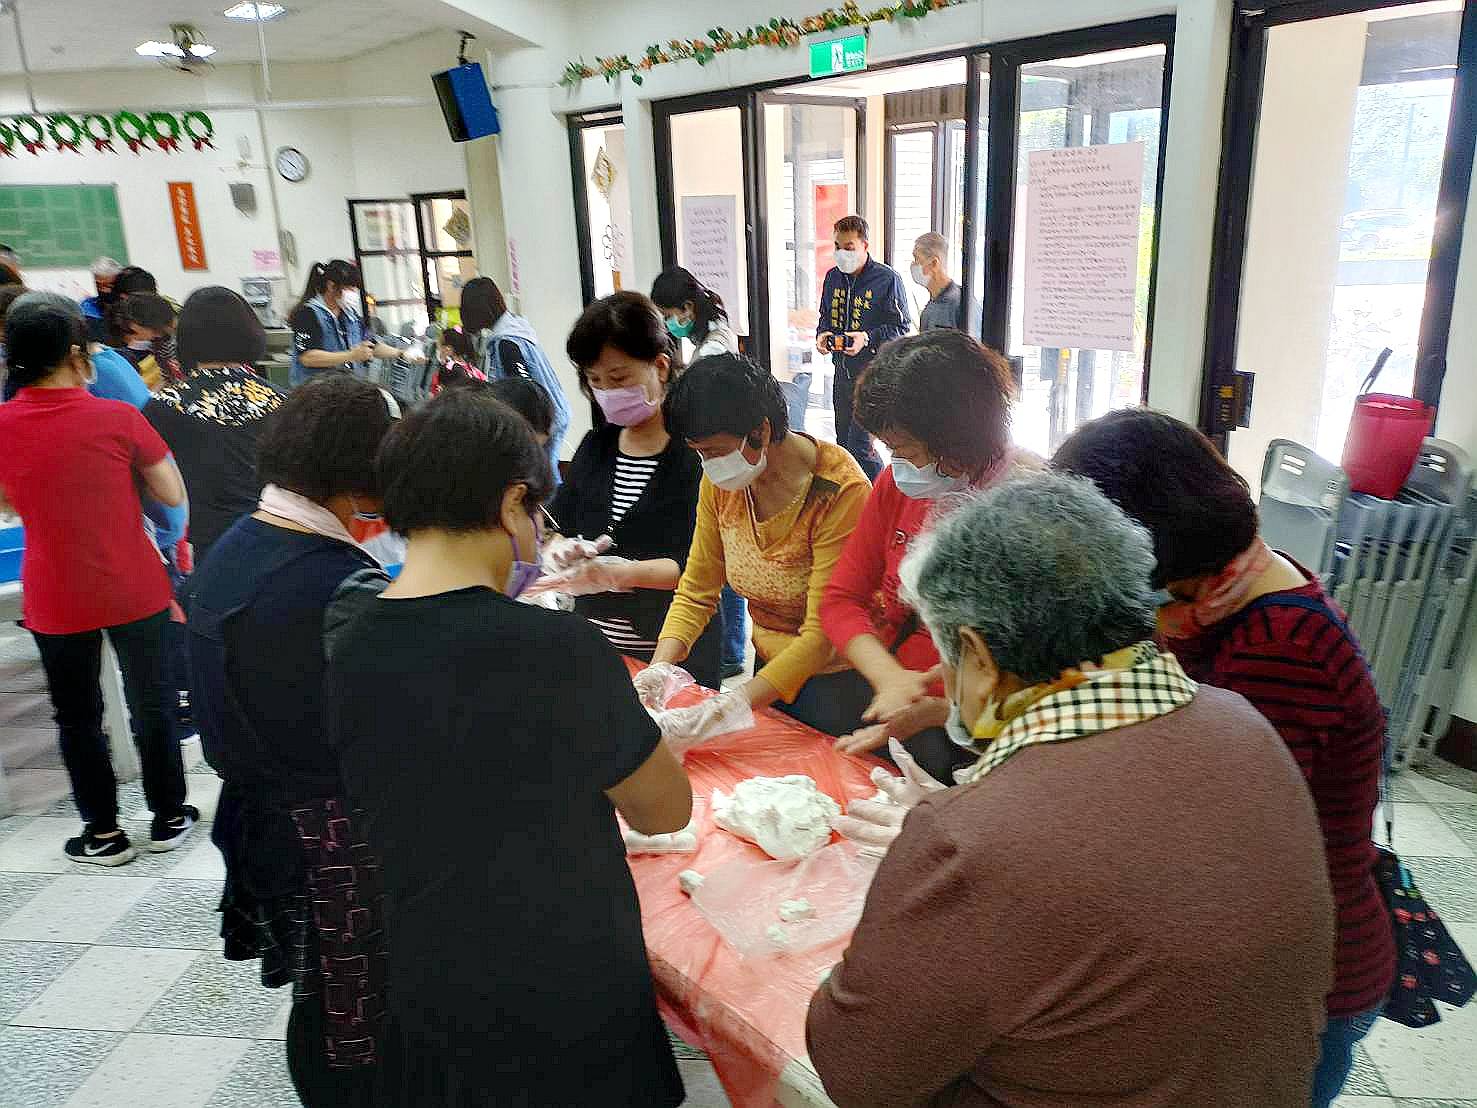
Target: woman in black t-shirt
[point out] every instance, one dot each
(490, 744)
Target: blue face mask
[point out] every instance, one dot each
(923, 484)
(678, 329)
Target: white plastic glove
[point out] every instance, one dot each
(874, 824)
(587, 577)
(562, 553)
(657, 684)
(684, 728)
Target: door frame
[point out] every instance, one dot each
(416, 199)
(360, 254)
(578, 124)
(1245, 73)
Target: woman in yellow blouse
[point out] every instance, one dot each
(774, 510)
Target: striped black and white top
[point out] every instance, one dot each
(632, 475)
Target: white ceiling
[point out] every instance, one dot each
(101, 34)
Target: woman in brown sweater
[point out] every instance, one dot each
(1125, 903)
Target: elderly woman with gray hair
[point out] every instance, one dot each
(1124, 903)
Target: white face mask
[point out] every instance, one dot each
(733, 472)
(919, 277)
(352, 299)
(849, 261)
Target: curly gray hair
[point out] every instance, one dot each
(1046, 568)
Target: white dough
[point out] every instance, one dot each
(792, 910)
(778, 935)
(675, 842)
(787, 817)
(690, 881)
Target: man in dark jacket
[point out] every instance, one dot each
(863, 305)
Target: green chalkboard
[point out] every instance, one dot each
(62, 226)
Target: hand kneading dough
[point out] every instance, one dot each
(690, 881)
(786, 817)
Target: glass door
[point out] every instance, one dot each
(1071, 220)
(444, 228)
(706, 179)
(1341, 208)
(387, 251)
(810, 181)
(602, 201)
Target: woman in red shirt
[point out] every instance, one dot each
(940, 402)
(71, 468)
(1248, 619)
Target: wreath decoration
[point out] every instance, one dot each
(164, 130)
(97, 128)
(131, 129)
(65, 132)
(200, 129)
(30, 132)
(7, 140)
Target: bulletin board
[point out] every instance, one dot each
(62, 226)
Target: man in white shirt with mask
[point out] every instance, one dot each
(929, 270)
(863, 304)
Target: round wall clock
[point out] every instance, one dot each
(292, 163)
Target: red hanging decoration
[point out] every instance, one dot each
(101, 139)
(30, 132)
(200, 129)
(65, 132)
(121, 124)
(164, 130)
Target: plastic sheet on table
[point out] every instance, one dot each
(744, 900)
(747, 1014)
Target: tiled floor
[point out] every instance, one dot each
(113, 992)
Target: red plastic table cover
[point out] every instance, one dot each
(747, 1014)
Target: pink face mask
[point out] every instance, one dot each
(624, 407)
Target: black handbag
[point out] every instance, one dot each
(1429, 966)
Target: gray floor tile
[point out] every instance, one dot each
(1403, 789)
(130, 800)
(160, 1071)
(75, 909)
(1364, 1078)
(28, 969)
(41, 1067)
(173, 913)
(259, 1080)
(1441, 770)
(216, 997)
(17, 888)
(34, 792)
(1449, 884)
(9, 824)
(109, 988)
(1461, 818)
(29, 748)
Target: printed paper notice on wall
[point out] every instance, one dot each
(710, 248)
(187, 225)
(1083, 214)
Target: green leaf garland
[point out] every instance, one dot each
(778, 33)
(68, 132)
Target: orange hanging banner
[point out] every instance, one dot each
(187, 224)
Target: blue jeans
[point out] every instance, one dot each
(735, 632)
(1336, 1055)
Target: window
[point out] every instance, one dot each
(597, 144)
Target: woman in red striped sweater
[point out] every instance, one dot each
(1246, 618)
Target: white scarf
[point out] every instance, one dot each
(296, 508)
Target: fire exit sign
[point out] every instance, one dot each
(838, 55)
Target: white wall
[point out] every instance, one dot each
(352, 153)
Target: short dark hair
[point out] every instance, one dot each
(944, 389)
(132, 279)
(459, 343)
(853, 224)
(627, 321)
(41, 328)
(725, 394)
(323, 440)
(217, 325)
(1170, 478)
(447, 465)
(482, 305)
(9, 293)
(146, 309)
(528, 399)
(9, 275)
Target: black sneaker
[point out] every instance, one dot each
(90, 850)
(166, 834)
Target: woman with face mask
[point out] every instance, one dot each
(72, 467)
(329, 331)
(774, 511)
(259, 606)
(630, 481)
(941, 404)
(517, 970)
(1127, 888)
(694, 312)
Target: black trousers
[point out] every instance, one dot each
(73, 666)
(850, 434)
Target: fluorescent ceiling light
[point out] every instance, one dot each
(201, 49)
(251, 12)
(153, 49)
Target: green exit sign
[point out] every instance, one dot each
(838, 55)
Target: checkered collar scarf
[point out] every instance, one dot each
(1151, 685)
